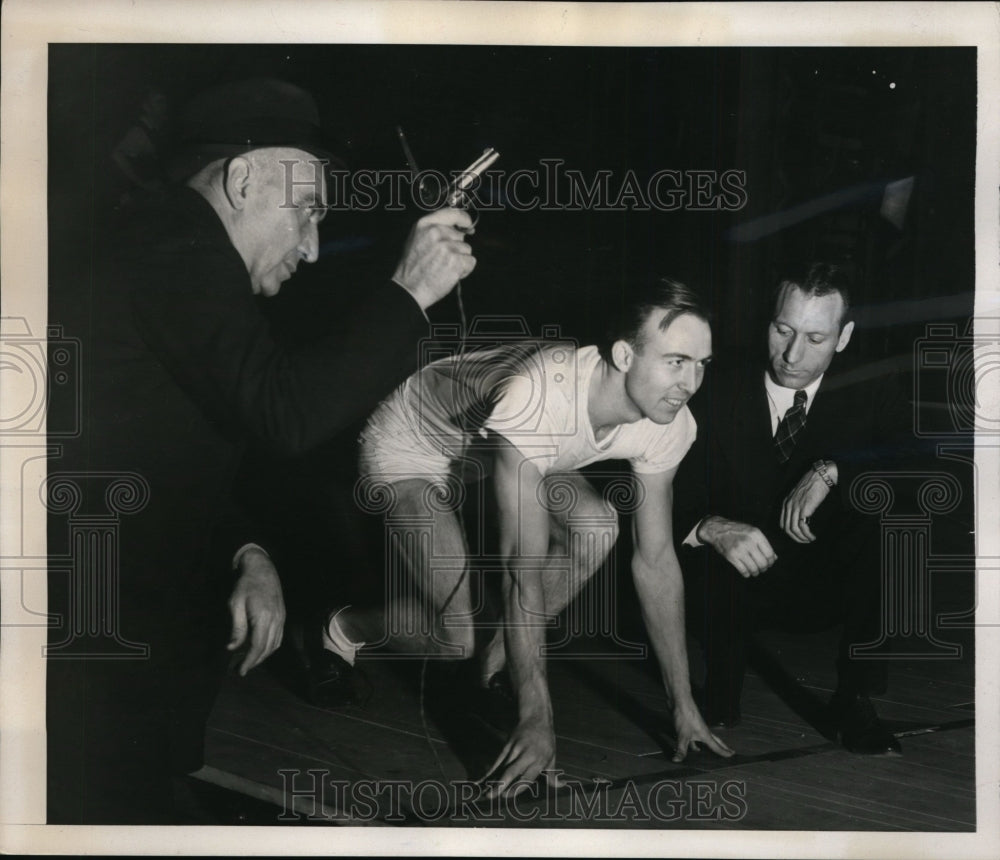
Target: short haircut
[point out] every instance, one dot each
(662, 295)
(819, 279)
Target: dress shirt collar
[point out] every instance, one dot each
(780, 399)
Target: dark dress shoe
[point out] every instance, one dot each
(858, 727)
(321, 677)
(330, 681)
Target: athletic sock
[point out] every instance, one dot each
(335, 640)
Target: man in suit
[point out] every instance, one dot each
(181, 373)
(770, 535)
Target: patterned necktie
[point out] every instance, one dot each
(791, 424)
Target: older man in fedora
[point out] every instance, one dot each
(181, 373)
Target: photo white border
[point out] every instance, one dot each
(26, 29)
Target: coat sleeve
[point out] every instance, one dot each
(197, 314)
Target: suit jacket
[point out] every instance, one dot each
(732, 470)
(180, 373)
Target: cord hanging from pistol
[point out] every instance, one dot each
(458, 198)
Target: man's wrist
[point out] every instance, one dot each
(703, 531)
(684, 703)
(535, 711)
(533, 700)
(827, 470)
(412, 293)
(692, 539)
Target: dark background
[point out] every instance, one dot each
(802, 124)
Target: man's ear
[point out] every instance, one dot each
(845, 335)
(236, 176)
(622, 354)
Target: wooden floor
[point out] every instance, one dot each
(614, 746)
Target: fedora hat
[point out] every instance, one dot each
(236, 117)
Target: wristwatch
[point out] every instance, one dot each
(819, 467)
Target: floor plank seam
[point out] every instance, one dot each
(797, 789)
